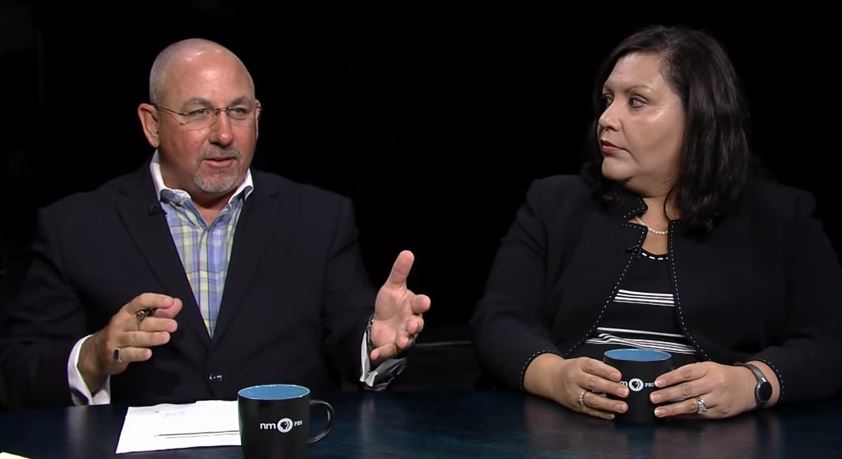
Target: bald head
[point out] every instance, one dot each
(180, 51)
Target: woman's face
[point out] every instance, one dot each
(641, 129)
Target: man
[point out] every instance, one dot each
(197, 276)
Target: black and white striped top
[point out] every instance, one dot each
(642, 315)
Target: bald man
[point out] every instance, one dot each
(198, 275)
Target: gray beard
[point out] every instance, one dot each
(221, 183)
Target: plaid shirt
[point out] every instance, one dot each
(205, 249)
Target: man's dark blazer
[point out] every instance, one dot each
(294, 309)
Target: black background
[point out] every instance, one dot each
(433, 117)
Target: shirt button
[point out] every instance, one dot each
(215, 377)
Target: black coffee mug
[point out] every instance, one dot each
(639, 369)
(275, 421)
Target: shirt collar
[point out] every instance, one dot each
(245, 188)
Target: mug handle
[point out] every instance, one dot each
(330, 416)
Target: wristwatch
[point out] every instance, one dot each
(763, 389)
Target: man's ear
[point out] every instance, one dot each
(148, 115)
(257, 121)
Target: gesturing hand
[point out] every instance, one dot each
(128, 337)
(397, 312)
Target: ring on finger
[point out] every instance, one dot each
(701, 407)
(581, 398)
(116, 355)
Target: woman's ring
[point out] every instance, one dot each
(702, 408)
(581, 398)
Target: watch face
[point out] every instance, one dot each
(764, 391)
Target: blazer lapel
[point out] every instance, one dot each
(146, 223)
(255, 231)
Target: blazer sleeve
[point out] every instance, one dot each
(44, 323)
(507, 326)
(807, 359)
(349, 296)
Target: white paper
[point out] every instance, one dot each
(11, 456)
(167, 426)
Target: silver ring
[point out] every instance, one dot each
(581, 398)
(702, 408)
(116, 355)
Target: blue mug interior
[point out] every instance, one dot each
(274, 392)
(638, 355)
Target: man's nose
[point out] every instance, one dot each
(221, 132)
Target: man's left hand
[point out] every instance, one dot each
(397, 312)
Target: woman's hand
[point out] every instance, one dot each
(707, 390)
(578, 384)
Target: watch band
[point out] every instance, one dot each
(762, 383)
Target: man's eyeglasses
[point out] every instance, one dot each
(206, 117)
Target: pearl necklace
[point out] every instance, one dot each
(652, 230)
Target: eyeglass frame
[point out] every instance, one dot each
(257, 109)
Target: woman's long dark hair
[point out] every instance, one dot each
(715, 154)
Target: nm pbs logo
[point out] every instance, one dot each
(282, 426)
(636, 384)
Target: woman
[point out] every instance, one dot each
(664, 242)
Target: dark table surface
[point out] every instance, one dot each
(471, 424)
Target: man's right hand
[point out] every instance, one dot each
(130, 335)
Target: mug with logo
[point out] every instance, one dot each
(275, 421)
(639, 368)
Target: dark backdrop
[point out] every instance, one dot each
(433, 118)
